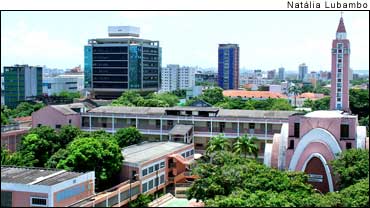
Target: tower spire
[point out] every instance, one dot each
(341, 27)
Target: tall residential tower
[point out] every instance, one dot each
(228, 66)
(339, 95)
(121, 62)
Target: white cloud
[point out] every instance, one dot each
(24, 43)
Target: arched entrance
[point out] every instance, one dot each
(318, 176)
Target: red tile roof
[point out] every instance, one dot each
(310, 95)
(24, 119)
(252, 94)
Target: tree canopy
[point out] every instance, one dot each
(352, 165)
(132, 98)
(101, 155)
(128, 136)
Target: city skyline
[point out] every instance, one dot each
(276, 39)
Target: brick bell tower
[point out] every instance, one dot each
(340, 70)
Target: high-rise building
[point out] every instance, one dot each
(121, 62)
(228, 66)
(175, 77)
(302, 71)
(21, 83)
(271, 74)
(63, 82)
(339, 95)
(281, 73)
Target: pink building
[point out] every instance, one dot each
(57, 116)
(309, 142)
(340, 70)
(11, 135)
(27, 187)
(157, 164)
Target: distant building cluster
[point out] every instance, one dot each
(175, 77)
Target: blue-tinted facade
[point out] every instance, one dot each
(114, 65)
(228, 66)
(88, 66)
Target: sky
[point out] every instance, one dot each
(267, 39)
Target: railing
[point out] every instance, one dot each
(10, 127)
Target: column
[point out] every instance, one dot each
(137, 122)
(90, 122)
(238, 129)
(112, 123)
(211, 128)
(161, 134)
(265, 129)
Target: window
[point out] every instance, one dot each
(188, 154)
(151, 185)
(38, 201)
(162, 179)
(183, 155)
(192, 152)
(6, 198)
(296, 129)
(339, 70)
(348, 145)
(151, 169)
(38, 125)
(70, 192)
(156, 181)
(58, 126)
(70, 121)
(157, 124)
(344, 130)
(144, 187)
(338, 99)
(104, 125)
(251, 125)
(339, 80)
(162, 165)
(291, 144)
(156, 167)
(145, 172)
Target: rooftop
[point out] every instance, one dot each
(180, 129)
(146, 151)
(221, 112)
(252, 94)
(328, 114)
(35, 176)
(312, 96)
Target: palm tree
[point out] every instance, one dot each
(295, 90)
(217, 143)
(246, 145)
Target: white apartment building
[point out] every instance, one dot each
(175, 77)
(63, 82)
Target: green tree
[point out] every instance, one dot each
(17, 158)
(101, 154)
(5, 114)
(25, 109)
(128, 98)
(359, 102)
(280, 104)
(246, 145)
(217, 143)
(168, 98)
(141, 201)
(128, 136)
(38, 147)
(352, 165)
(295, 90)
(67, 134)
(49, 135)
(356, 195)
(232, 180)
(320, 104)
(59, 155)
(213, 95)
(69, 95)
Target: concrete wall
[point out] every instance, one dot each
(48, 116)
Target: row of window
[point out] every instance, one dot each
(150, 169)
(67, 193)
(187, 153)
(149, 185)
(38, 201)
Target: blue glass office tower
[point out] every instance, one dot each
(228, 66)
(114, 65)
